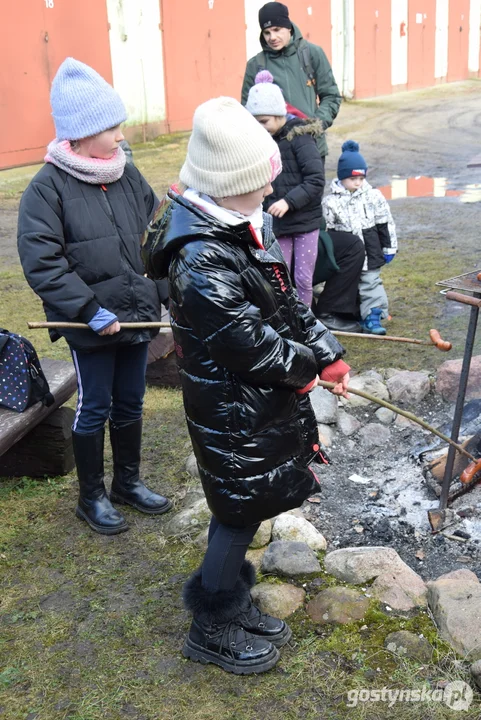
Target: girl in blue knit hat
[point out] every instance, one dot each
(356, 207)
(80, 223)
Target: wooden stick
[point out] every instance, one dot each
(409, 415)
(434, 339)
(84, 326)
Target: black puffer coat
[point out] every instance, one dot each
(301, 182)
(79, 246)
(244, 344)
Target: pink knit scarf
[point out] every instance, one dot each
(95, 171)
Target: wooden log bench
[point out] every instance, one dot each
(38, 441)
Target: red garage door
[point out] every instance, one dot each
(313, 17)
(421, 39)
(37, 35)
(372, 59)
(204, 53)
(458, 38)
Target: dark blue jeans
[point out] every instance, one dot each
(111, 384)
(225, 554)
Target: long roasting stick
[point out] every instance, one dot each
(409, 415)
(435, 338)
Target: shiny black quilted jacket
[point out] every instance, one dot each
(244, 345)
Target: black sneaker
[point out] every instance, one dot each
(263, 625)
(230, 647)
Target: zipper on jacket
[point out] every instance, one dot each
(123, 261)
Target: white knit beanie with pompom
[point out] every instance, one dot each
(266, 98)
(229, 152)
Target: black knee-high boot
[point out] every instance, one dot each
(256, 622)
(127, 488)
(94, 505)
(216, 636)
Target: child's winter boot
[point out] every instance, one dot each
(372, 324)
(256, 622)
(216, 635)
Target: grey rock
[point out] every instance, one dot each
(347, 423)
(326, 434)
(291, 528)
(326, 406)
(262, 536)
(337, 605)
(357, 565)
(385, 416)
(408, 644)
(191, 466)
(476, 673)
(409, 387)
(202, 539)
(368, 383)
(456, 609)
(289, 559)
(375, 435)
(279, 600)
(188, 521)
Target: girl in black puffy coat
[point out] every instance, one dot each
(295, 203)
(80, 224)
(248, 353)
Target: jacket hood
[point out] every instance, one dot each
(338, 189)
(289, 49)
(297, 126)
(178, 222)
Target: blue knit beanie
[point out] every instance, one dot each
(351, 163)
(83, 103)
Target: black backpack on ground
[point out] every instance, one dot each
(22, 381)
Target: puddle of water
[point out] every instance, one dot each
(423, 186)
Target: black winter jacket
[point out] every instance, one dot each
(79, 246)
(301, 182)
(244, 344)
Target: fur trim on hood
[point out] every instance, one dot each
(311, 126)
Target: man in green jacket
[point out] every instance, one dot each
(300, 68)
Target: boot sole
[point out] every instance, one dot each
(100, 528)
(199, 654)
(118, 500)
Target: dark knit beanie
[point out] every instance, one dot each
(274, 14)
(351, 163)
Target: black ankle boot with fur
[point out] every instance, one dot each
(256, 622)
(216, 636)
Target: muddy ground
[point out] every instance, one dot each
(91, 627)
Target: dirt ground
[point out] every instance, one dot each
(91, 627)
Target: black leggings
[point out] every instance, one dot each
(225, 554)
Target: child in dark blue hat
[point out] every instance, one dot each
(356, 207)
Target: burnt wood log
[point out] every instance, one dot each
(63, 383)
(45, 450)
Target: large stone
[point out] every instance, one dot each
(337, 605)
(262, 536)
(347, 423)
(456, 609)
(289, 559)
(385, 416)
(279, 600)
(369, 383)
(462, 574)
(188, 521)
(407, 644)
(375, 435)
(326, 434)
(476, 673)
(191, 466)
(357, 565)
(409, 387)
(325, 405)
(255, 557)
(447, 381)
(401, 589)
(296, 529)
